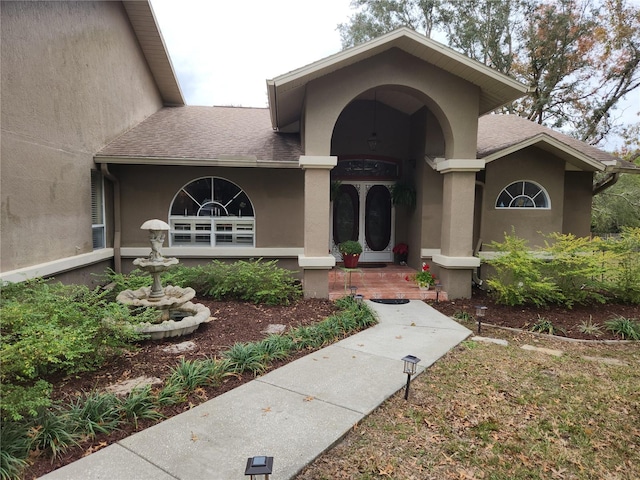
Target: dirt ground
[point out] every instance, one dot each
(245, 322)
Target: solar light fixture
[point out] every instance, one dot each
(259, 467)
(354, 289)
(438, 290)
(480, 313)
(358, 298)
(410, 365)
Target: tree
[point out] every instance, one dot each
(580, 57)
(377, 17)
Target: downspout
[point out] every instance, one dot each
(608, 181)
(117, 221)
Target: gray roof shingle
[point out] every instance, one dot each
(206, 133)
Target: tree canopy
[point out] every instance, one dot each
(579, 57)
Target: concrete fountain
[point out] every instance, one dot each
(177, 315)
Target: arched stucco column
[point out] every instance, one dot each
(316, 260)
(456, 259)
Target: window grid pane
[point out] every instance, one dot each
(523, 194)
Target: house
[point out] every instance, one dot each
(96, 139)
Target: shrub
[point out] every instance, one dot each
(518, 277)
(247, 357)
(189, 375)
(140, 405)
(53, 432)
(623, 269)
(15, 449)
(590, 328)
(627, 328)
(546, 326)
(95, 413)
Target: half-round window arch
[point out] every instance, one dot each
(211, 212)
(523, 194)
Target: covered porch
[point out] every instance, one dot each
(377, 281)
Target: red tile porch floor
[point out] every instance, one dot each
(378, 282)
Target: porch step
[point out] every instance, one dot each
(390, 281)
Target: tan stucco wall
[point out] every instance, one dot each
(531, 164)
(578, 187)
(276, 195)
(73, 78)
(453, 101)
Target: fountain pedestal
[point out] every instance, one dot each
(178, 316)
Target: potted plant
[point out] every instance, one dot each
(403, 194)
(401, 251)
(425, 278)
(350, 250)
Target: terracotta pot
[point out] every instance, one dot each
(350, 260)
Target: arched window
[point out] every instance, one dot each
(523, 194)
(212, 212)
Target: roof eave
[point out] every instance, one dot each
(542, 140)
(242, 161)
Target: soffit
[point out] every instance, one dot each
(154, 49)
(286, 92)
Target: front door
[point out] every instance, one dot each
(362, 211)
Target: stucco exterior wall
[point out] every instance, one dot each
(73, 78)
(276, 195)
(531, 164)
(578, 187)
(452, 100)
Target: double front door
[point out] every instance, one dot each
(363, 211)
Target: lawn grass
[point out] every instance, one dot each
(486, 411)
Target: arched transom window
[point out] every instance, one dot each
(212, 212)
(523, 194)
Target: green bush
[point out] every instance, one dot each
(518, 277)
(15, 443)
(626, 328)
(567, 271)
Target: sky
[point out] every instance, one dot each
(223, 51)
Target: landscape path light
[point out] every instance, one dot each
(438, 290)
(358, 298)
(480, 313)
(410, 366)
(259, 467)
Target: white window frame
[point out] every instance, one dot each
(98, 225)
(211, 231)
(541, 191)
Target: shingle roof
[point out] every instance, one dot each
(206, 133)
(498, 132)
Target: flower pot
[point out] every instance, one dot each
(350, 260)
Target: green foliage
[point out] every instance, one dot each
(627, 328)
(140, 404)
(254, 281)
(350, 247)
(95, 413)
(463, 316)
(19, 401)
(623, 267)
(590, 328)
(53, 432)
(518, 279)
(546, 326)
(568, 270)
(576, 268)
(15, 449)
(617, 207)
(189, 375)
(403, 194)
(247, 357)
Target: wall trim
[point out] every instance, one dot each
(429, 252)
(321, 162)
(460, 165)
(214, 252)
(456, 263)
(316, 263)
(60, 265)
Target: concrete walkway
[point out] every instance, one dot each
(293, 413)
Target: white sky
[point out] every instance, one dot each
(223, 51)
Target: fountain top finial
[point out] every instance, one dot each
(155, 224)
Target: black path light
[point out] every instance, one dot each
(480, 313)
(410, 365)
(259, 467)
(438, 290)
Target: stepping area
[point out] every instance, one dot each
(293, 413)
